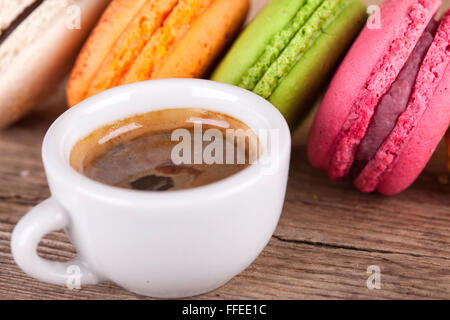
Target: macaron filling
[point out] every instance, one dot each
(395, 101)
(378, 84)
(287, 46)
(10, 10)
(12, 26)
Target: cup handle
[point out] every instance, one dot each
(46, 217)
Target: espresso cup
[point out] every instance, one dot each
(159, 244)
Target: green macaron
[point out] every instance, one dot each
(290, 49)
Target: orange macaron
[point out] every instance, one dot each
(153, 39)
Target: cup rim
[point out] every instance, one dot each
(56, 152)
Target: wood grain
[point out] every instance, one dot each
(327, 236)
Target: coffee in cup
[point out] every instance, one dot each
(169, 149)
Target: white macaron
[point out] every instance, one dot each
(39, 39)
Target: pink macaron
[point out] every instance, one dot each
(388, 106)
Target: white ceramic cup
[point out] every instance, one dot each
(159, 244)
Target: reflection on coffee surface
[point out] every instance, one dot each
(170, 149)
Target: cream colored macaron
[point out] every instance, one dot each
(38, 41)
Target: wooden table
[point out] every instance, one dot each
(328, 235)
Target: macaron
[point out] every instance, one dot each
(387, 109)
(153, 39)
(290, 49)
(39, 39)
